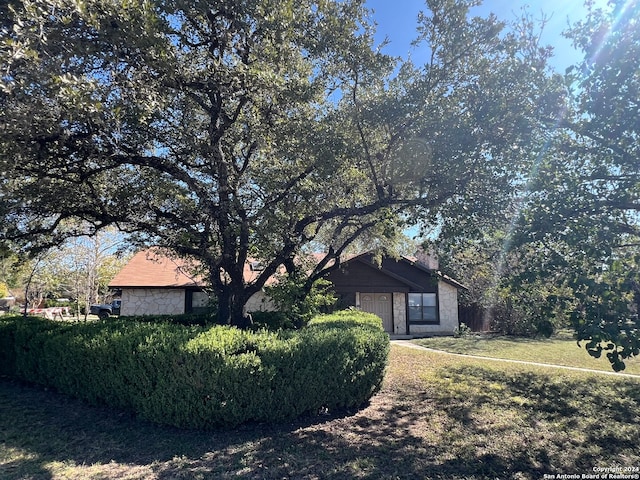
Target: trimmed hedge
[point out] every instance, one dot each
(202, 378)
(186, 319)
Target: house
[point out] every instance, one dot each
(409, 293)
(152, 283)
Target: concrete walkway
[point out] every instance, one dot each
(408, 344)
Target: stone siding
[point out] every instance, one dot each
(259, 302)
(399, 313)
(448, 300)
(152, 301)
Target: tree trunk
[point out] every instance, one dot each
(231, 302)
(28, 286)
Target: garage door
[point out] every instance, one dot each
(378, 304)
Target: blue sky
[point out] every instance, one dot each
(397, 20)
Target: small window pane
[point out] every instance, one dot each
(415, 300)
(429, 313)
(429, 299)
(415, 313)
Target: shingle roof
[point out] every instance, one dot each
(153, 269)
(150, 268)
(416, 262)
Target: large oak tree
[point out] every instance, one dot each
(235, 129)
(583, 207)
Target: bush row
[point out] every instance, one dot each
(270, 320)
(202, 378)
(185, 319)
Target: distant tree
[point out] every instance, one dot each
(90, 263)
(42, 278)
(9, 270)
(505, 288)
(236, 129)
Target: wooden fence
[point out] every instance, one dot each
(474, 317)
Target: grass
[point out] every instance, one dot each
(561, 349)
(437, 417)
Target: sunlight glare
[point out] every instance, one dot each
(622, 11)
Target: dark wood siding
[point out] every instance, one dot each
(361, 274)
(357, 276)
(345, 300)
(427, 282)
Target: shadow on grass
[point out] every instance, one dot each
(467, 422)
(587, 421)
(56, 430)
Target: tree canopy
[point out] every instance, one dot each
(242, 129)
(583, 205)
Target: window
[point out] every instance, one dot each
(197, 302)
(256, 266)
(422, 308)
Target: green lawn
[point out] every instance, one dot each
(437, 417)
(558, 350)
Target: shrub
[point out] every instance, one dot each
(202, 319)
(203, 378)
(299, 305)
(7, 345)
(4, 290)
(462, 331)
(272, 320)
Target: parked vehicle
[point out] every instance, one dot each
(105, 310)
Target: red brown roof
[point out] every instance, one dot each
(152, 268)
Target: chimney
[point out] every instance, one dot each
(427, 258)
